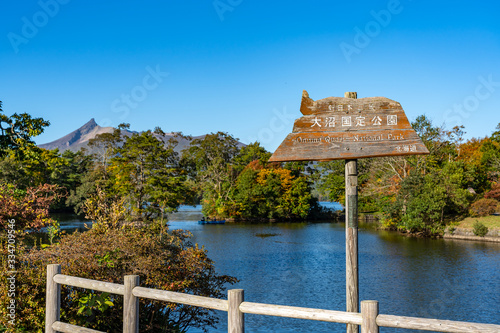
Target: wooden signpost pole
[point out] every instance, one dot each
(348, 128)
(351, 235)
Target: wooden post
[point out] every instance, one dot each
(351, 234)
(235, 318)
(53, 298)
(130, 305)
(369, 310)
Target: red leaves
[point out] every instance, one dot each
(30, 208)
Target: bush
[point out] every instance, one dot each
(484, 207)
(480, 229)
(168, 262)
(29, 208)
(494, 193)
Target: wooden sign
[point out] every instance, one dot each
(336, 128)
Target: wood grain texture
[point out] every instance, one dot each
(347, 128)
(68, 328)
(351, 240)
(369, 311)
(301, 313)
(53, 298)
(425, 324)
(366, 318)
(174, 297)
(130, 305)
(107, 287)
(235, 318)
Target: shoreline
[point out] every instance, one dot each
(489, 239)
(493, 235)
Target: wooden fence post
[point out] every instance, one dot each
(130, 305)
(53, 298)
(369, 311)
(235, 318)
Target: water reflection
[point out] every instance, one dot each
(71, 222)
(303, 264)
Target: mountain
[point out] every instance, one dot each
(79, 138)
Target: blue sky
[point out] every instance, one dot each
(240, 66)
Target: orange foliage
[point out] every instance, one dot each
(470, 151)
(258, 165)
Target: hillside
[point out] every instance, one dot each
(80, 137)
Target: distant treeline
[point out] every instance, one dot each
(148, 178)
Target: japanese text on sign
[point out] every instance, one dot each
(354, 121)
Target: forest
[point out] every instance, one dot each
(127, 185)
(147, 178)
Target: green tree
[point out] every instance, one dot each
(425, 201)
(12, 171)
(147, 174)
(331, 180)
(250, 153)
(17, 130)
(209, 161)
(496, 135)
(104, 145)
(93, 169)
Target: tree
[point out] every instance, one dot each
(331, 180)
(496, 135)
(17, 130)
(425, 201)
(271, 192)
(93, 169)
(104, 146)
(209, 162)
(147, 174)
(250, 153)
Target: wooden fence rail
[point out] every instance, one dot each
(369, 319)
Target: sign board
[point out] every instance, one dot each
(338, 128)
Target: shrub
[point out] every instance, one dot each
(494, 193)
(484, 207)
(168, 262)
(29, 208)
(480, 229)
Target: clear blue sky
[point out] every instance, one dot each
(240, 66)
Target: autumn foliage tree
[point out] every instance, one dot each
(29, 208)
(271, 192)
(167, 262)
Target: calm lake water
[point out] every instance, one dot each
(303, 264)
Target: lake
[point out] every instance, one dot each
(303, 264)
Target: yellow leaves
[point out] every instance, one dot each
(285, 176)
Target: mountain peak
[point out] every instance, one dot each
(89, 126)
(78, 138)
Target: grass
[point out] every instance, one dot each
(492, 222)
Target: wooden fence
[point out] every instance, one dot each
(369, 319)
